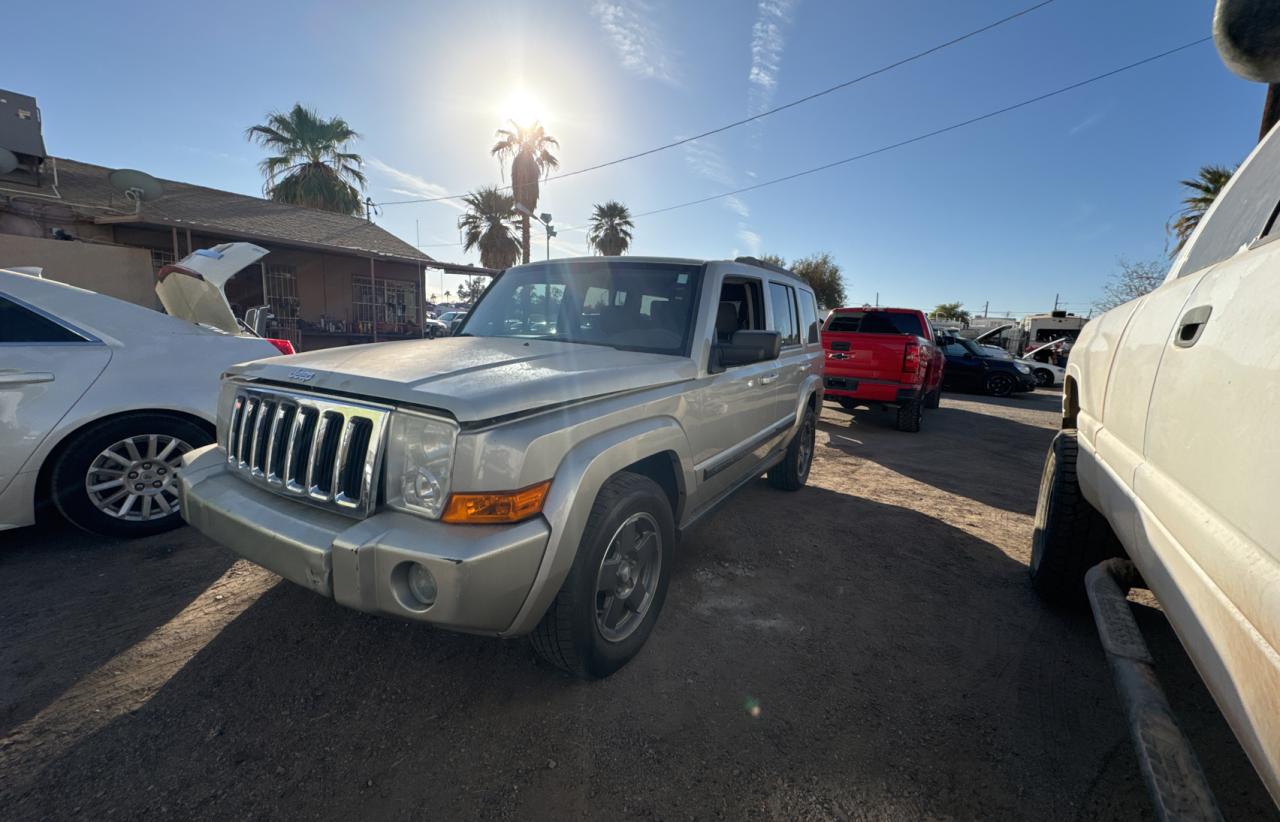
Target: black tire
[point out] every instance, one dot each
(1000, 384)
(910, 415)
(1044, 377)
(1070, 536)
(72, 467)
(568, 635)
(793, 472)
(934, 398)
(847, 403)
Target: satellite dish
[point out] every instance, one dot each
(8, 161)
(137, 186)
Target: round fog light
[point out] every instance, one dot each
(422, 584)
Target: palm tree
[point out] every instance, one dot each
(487, 226)
(950, 311)
(610, 232)
(309, 165)
(1205, 188)
(529, 148)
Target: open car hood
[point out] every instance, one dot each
(192, 288)
(993, 332)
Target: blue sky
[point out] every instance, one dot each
(1013, 210)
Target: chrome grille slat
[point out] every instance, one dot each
(255, 446)
(273, 438)
(321, 450)
(340, 461)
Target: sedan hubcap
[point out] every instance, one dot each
(134, 478)
(628, 577)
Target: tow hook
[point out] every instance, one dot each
(1175, 781)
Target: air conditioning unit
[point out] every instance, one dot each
(22, 152)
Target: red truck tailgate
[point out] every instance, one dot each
(865, 356)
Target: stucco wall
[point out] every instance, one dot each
(124, 273)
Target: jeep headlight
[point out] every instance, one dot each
(1022, 368)
(419, 460)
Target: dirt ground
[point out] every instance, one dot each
(879, 622)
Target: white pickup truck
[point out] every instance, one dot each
(1169, 454)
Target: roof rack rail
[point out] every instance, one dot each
(762, 264)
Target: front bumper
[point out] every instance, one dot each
(483, 573)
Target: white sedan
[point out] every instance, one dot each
(99, 398)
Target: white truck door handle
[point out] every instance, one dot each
(24, 377)
(768, 378)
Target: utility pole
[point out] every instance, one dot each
(877, 299)
(1270, 110)
(985, 306)
(369, 209)
(1055, 301)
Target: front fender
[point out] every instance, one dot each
(578, 479)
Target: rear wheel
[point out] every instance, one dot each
(934, 398)
(615, 589)
(910, 415)
(792, 473)
(117, 477)
(847, 403)
(1000, 385)
(1070, 536)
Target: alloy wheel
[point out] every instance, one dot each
(628, 577)
(133, 479)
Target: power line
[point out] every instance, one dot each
(918, 138)
(883, 69)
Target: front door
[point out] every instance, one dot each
(44, 369)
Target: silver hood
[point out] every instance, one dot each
(473, 378)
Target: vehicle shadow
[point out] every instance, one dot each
(993, 460)
(820, 654)
(71, 601)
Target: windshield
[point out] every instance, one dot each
(634, 306)
(875, 322)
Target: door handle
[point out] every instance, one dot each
(1191, 326)
(768, 378)
(24, 377)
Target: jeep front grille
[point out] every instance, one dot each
(320, 450)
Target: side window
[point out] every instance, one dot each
(741, 307)
(21, 325)
(785, 322)
(808, 317)
(955, 350)
(1242, 213)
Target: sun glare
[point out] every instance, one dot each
(523, 107)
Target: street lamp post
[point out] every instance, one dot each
(545, 219)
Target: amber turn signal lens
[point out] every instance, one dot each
(486, 509)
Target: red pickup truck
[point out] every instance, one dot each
(883, 356)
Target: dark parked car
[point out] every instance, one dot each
(969, 368)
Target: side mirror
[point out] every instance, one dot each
(1247, 34)
(746, 347)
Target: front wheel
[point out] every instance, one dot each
(793, 472)
(1044, 377)
(116, 478)
(614, 592)
(1070, 535)
(1000, 385)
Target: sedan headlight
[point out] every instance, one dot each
(419, 461)
(1022, 368)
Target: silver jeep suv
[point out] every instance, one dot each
(531, 474)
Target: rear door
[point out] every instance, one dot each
(793, 362)
(45, 366)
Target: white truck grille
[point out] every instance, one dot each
(324, 451)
